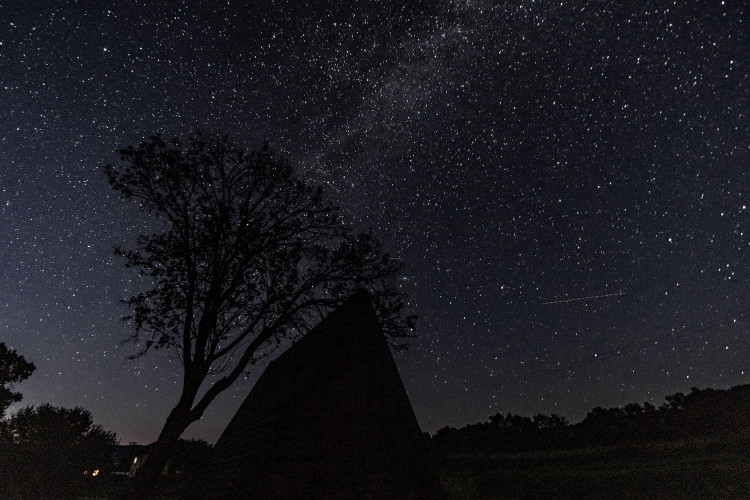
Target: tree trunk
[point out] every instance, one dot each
(159, 451)
(143, 483)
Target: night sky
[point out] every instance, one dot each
(518, 157)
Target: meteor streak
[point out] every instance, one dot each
(584, 298)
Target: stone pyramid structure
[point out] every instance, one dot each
(329, 418)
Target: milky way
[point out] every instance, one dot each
(518, 156)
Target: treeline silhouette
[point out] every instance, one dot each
(52, 452)
(699, 414)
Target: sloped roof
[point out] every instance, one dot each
(329, 418)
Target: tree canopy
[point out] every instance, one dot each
(53, 452)
(13, 369)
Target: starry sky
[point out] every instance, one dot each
(567, 183)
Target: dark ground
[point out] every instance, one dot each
(711, 468)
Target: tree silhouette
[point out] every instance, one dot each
(248, 254)
(52, 452)
(13, 369)
(552, 421)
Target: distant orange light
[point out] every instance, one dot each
(95, 473)
(85, 473)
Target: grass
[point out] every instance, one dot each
(684, 469)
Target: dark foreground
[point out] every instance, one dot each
(711, 468)
(716, 467)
